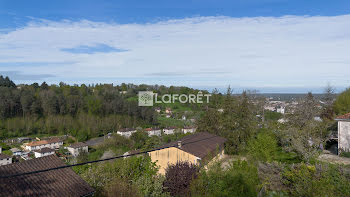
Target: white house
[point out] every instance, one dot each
(44, 152)
(343, 132)
(76, 148)
(53, 143)
(151, 132)
(169, 130)
(168, 110)
(280, 109)
(127, 132)
(5, 159)
(16, 151)
(188, 130)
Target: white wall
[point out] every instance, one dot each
(344, 135)
(5, 161)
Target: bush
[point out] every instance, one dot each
(263, 147)
(239, 179)
(317, 180)
(178, 178)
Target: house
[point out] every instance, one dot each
(44, 152)
(4, 159)
(76, 148)
(343, 132)
(188, 130)
(169, 130)
(198, 149)
(55, 183)
(280, 109)
(126, 132)
(16, 151)
(157, 109)
(53, 143)
(151, 132)
(168, 110)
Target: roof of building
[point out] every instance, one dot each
(201, 144)
(189, 127)
(126, 130)
(45, 150)
(42, 142)
(170, 128)
(78, 145)
(15, 150)
(3, 156)
(61, 182)
(343, 117)
(152, 129)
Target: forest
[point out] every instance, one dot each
(79, 110)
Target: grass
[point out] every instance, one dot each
(170, 122)
(286, 157)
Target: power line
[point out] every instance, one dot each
(96, 161)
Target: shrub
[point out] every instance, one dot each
(263, 147)
(178, 178)
(317, 180)
(239, 179)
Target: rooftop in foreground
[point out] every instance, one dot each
(61, 182)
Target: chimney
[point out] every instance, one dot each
(179, 144)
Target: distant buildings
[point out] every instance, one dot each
(169, 130)
(280, 109)
(76, 148)
(43, 152)
(153, 131)
(126, 132)
(16, 151)
(54, 143)
(4, 159)
(188, 130)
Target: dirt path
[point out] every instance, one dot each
(334, 159)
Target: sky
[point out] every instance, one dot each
(268, 45)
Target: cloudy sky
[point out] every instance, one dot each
(269, 45)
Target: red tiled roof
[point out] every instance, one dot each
(62, 182)
(201, 144)
(42, 142)
(343, 117)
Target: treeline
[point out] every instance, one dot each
(90, 110)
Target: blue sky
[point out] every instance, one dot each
(269, 45)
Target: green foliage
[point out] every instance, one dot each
(345, 154)
(273, 116)
(178, 178)
(319, 180)
(170, 122)
(263, 147)
(137, 171)
(342, 103)
(239, 179)
(237, 122)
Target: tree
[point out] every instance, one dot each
(328, 98)
(178, 178)
(263, 147)
(306, 110)
(342, 103)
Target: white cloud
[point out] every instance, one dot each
(291, 51)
